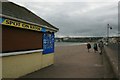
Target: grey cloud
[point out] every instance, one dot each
(76, 18)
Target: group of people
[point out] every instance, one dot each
(96, 45)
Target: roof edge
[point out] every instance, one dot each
(35, 15)
(54, 29)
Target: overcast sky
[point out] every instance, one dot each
(77, 17)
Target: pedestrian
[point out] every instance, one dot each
(95, 47)
(101, 46)
(88, 46)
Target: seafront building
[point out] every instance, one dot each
(27, 41)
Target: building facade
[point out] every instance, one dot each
(27, 41)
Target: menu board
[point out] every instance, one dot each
(48, 43)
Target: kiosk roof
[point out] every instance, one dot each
(13, 10)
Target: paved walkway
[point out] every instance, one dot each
(72, 62)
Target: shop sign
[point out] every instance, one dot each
(18, 24)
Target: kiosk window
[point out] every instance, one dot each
(17, 39)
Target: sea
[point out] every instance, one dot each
(68, 43)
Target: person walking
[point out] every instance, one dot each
(95, 47)
(101, 46)
(88, 46)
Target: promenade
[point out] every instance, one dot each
(73, 62)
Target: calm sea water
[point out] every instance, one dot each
(68, 43)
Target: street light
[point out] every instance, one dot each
(108, 27)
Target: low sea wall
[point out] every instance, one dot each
(111, 55)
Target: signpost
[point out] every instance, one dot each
(108, 27)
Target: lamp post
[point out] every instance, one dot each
(108, 27)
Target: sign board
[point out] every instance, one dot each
(18, 24)
(48, 43)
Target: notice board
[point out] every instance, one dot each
(48, 43)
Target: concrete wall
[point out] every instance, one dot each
(16, 66)
(112, 59)
(20, 65)
(47, 59)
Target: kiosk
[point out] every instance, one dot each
(27, 41)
